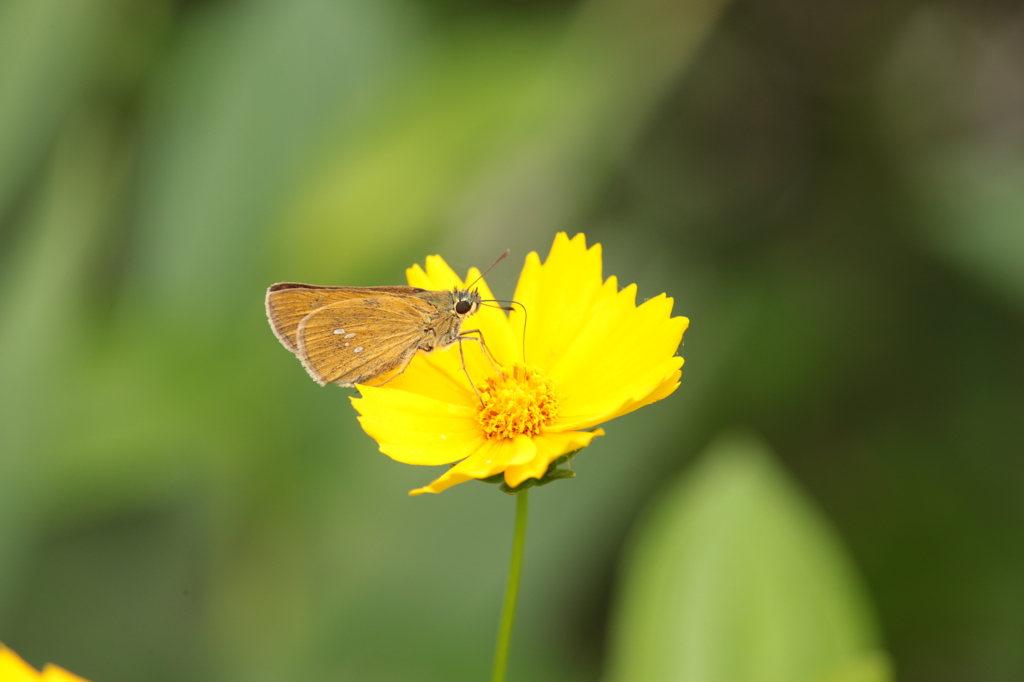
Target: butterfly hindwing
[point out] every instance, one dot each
(360, 338)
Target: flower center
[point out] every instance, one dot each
(518, 401)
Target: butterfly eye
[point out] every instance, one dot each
(463, 307)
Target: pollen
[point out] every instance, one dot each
(518, 401)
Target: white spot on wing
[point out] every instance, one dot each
(339, 331)
(349, 335)
(346, 343)
(357, 349)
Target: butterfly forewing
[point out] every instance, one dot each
(358, 339)
(289, 302)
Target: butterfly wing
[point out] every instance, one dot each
(289, 302)
(358, 340)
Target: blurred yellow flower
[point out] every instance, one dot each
(589, 354)
(14, 669)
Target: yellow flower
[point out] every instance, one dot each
(14, 669)
(589, 354)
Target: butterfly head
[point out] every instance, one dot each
(465, 302)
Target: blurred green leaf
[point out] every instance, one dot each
(956, 140)
(975, 219)
(42, 320)
(506, 132)
(871, 667)
(238, 112)
(398, 176)
(48, 49)
(736, 577)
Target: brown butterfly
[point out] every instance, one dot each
(355, 335)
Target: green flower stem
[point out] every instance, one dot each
(508, 614)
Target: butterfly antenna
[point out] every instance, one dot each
(510, 307)
(526, 318)
(500, 258)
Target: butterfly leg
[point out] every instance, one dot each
(483, 345)
(462, 357)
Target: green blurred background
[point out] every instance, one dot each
(832, 191)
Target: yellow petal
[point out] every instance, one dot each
(448, 374)
(646, 394)
(621, 338)
(464, 363)
(13, 668)
(550, 446)
(431, 378)
(54, 673)
(557, 296)
(417, 429)
(493, 457)
(621, 356)
(438, 275)
(527, 294)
